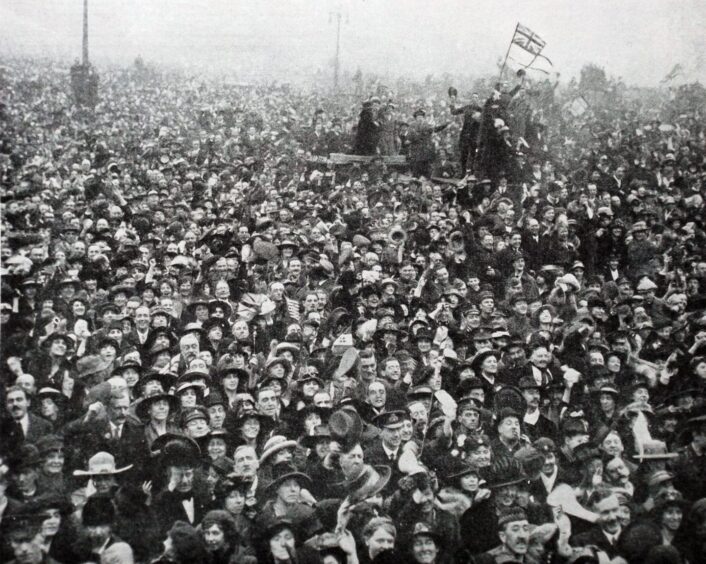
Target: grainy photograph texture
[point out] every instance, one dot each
(352, 282)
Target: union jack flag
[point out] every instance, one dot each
(527, 39)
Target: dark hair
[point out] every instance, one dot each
(599, 494)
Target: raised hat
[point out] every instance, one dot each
(370, 481)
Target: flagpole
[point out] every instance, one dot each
(502, 69)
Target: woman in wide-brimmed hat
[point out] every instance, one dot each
(158, 411)
(285, 492)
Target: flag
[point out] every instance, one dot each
(672, 74)
(577, 106)
(527, 39)
(292, 308)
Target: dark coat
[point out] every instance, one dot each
(168, 508)
(595, 536)
(12, 435)
(95, 436)
(376, 456)
(368, 135)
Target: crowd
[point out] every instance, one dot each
(220, 347)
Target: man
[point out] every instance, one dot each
(368, 373)
(467, 141)
(25, 426)
(509, 438)
(141, 333)
(513, 530)
(376, 397)
(538, 366)
(368, 132)
(25, 473)
(606, 533)
(267, 403)
(109, 428)
(25, 538)
(574, 434)
(246, 465)
(188, 350)
(544, 484)
(536, 424)
(98, 540)
(183, 499)
(385, 450)
(690, 467)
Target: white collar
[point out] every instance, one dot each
(531, 418)
(24, 423)
(548, 481)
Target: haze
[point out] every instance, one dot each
(286, 39)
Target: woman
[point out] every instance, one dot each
(190, 394)
(215, 331)
(462, 487)
(668, 514)
(52, 406)
(309, 418)
(222, 539)
(606, 411)
(157, 410)
(218, 445)
(279, 543)
(309, 385)
(57, 534)
(183, 545)
(51, 366)
(426, 546)
(232, 382)
(51, 473)
(166, 289)
(543, 318)
(251, 429)
(79, 310)
(231, 496)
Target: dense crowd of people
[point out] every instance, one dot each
(479, 339)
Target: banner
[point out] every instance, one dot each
(527, 39)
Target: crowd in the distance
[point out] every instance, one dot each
(219, 347)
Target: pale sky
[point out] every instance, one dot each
(640, 40)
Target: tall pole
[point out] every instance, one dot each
(85, 33)
(336, 61)
(507, 54)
